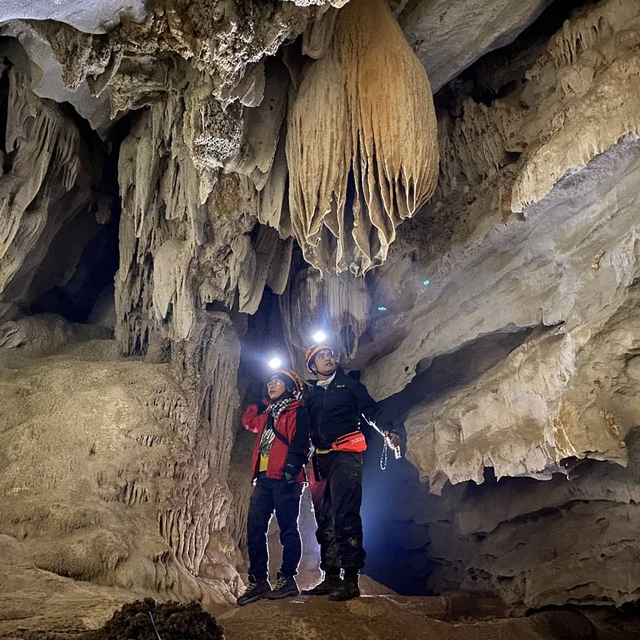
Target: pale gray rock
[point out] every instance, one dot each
(90, 16)
(46, 77)
(448, 36)
(528, 274)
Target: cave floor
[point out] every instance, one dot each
(411, 618)
(71, 611)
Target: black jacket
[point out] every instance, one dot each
(338, 409)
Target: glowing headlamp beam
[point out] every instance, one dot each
(319, 336)
(275, 363)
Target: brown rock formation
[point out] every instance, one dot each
(360, 142)
(132, 486)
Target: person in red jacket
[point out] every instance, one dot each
(280, 452)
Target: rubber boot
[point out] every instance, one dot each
(286, 587)
(348, 589)
(256, 590)
(330, 583)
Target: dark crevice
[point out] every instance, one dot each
(501, 72)
(438, 377)
(5, 157)
(99, 260)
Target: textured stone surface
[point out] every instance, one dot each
(48, 189)
(202, 254)
(46, 76)
(563, 541)
(569, 262)
(517, 359)
(90, 16)
(213, 55)
(118, 484)
(508, 346)
(449, 36)
(368, 158)
(72, 613)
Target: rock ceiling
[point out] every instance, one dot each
(219, 103)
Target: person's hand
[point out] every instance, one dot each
(393, 439)
(290, 473)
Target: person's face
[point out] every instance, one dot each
(275, 388)
(325, 362)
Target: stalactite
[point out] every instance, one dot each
(337, 304)
(368, 157)
(37, 195)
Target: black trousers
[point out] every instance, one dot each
(283, 498)
(336, 492)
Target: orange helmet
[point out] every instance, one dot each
(312, 352)
(292, 381)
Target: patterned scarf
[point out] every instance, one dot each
(268, 436)
(276, 407)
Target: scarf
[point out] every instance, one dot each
(325, 383)
(268, 436)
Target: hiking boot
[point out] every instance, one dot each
(286, 587)
(330, 583)
(347, 590)
(256, 590)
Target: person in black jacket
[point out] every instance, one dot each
(336, 405)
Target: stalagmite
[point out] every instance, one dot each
(361, 142)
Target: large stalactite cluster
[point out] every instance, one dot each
(361, 142)
(234, 107)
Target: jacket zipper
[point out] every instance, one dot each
(324, 401)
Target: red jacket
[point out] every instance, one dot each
(293, 424)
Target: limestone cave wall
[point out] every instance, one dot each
(518, 358)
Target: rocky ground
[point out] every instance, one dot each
(74, 611)
(40, 605)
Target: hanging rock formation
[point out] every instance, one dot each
(388, 147)
(336, 304)
(361, 142)
(47, 190)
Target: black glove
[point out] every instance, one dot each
(290, 473)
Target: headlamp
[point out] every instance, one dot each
(319, 336)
